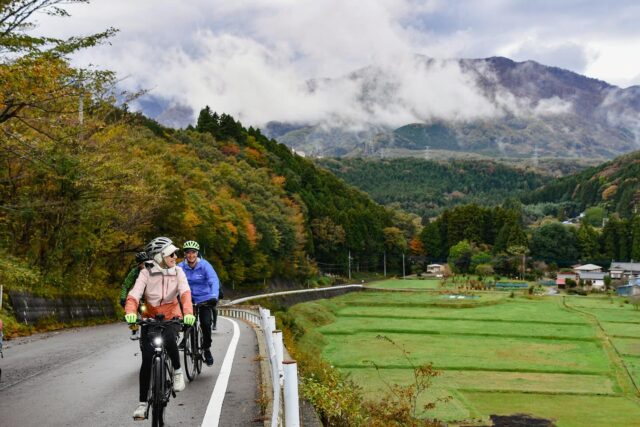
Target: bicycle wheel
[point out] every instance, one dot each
(189, 355)
(157, 411)
(199, 353)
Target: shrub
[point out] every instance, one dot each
(399, 406)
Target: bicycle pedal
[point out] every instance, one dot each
(173, 393)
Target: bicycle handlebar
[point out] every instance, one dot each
(156, 322)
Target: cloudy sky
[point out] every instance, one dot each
(252, 58)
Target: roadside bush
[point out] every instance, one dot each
(337, 399)
(399, 406)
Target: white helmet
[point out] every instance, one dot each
(159, 248)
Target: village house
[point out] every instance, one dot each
(435, 268)
(587, 268)
(561, 278)
(631, 288)
(624, 270)
(595, 278)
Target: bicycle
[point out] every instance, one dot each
(193, 342)
(161, 384)
(193, 351)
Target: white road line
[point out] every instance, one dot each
(214, 409)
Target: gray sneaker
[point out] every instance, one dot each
(178, 381)
(140, 411)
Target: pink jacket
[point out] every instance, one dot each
(161, 289)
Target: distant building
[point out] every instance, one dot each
(633, 288)
(596, 278)
(435, 268)
(565, 276)
(587, 268)
(624, 270)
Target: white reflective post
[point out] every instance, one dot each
(291, 405)
(279, 348)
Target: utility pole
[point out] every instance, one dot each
(349, 265)
(384, 257)
(403, 275)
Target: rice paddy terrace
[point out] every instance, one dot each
(574, 360)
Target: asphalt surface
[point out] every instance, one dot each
(89, 377)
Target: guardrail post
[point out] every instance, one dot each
(279, 348)
(291, 405)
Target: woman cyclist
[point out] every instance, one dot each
(160, 284)
(205, 288)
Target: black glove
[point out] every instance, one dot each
(123, 301)
(220, 294)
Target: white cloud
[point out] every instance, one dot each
(252, 58)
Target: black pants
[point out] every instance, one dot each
(208, 314)
(169, 336)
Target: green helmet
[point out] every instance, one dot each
(191, 244)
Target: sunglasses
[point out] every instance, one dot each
(173, 255)
(190, 251)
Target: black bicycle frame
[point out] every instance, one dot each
(161, 379)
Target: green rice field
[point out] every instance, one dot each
(575, 360)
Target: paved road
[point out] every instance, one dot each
(89, 377)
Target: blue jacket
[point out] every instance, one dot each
(203, 281)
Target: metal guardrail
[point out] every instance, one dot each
(284, 373)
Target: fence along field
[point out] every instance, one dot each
(498, 355)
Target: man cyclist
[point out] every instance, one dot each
(141, 258)
(205, 291)
(161, 283)
(129, 281)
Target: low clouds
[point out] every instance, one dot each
(255, 59)
(569, 55)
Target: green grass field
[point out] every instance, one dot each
(544, 356)
(407, 284)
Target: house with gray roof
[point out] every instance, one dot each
(624, 270)
(595, 278)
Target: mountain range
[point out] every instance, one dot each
(524, 109)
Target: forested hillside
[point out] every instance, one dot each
(426, 187)
(84, 183)
(614, 185)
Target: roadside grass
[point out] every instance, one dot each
(375, 385)
(567, 410)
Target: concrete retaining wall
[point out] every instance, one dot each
(29, 309)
